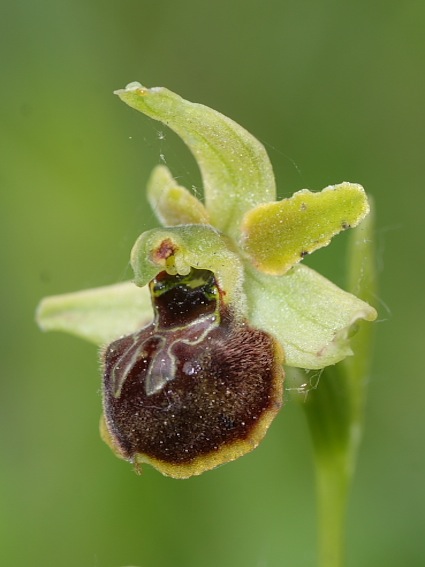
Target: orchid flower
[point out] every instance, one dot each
(194, 348)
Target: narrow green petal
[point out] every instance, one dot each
(98, 315)
(178, 249)
(172, 203)
(278, 235)
(235, 168)
(308, 314)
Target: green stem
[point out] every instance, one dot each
(332, 496)
(335, 410)
(328, 411)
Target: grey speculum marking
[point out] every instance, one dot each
(186, 310)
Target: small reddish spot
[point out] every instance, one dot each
(166, 249)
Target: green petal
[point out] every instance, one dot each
(308, 314)
(178, 249)
(98, 315)
(278, 235)
(235, 168)
(172, 203)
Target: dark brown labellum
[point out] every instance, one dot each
(194, 389)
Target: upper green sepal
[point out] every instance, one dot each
(236, 171)
(278, 235)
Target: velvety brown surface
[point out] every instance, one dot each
(223, 380)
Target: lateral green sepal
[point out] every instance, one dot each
(310, 316)
(98, 315)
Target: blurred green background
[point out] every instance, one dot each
(335, 90)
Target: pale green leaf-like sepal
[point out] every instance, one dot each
(308, 314)
(172, 203)
(99, 315)
(278, 235)
(180, 248)
(236, 170)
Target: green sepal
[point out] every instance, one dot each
(309, 315)
(278, 235)
(172, 203)
(236, 171)
(180, 248)
(99, 315)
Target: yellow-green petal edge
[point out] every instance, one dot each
(278, 235)
(172, 203)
